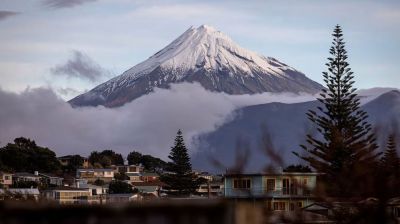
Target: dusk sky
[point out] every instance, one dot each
(74, 45)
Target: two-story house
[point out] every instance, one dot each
(281, 191)
(5, 179)
(91, 175)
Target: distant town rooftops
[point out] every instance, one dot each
(66, 188)
(24, 174)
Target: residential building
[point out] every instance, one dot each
(71, 195)
(211, 188)
(134, 177)
(24, 176)
(121, 198)
(65, 160)
(149, 177)
(5, 179)
(127, 168)
(91, 175)
(51, 179)
(284, 191)
(151, 187)
(16, 193)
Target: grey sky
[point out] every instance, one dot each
(121, 33)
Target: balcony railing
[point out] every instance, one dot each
(264, 192)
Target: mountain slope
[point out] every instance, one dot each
(287, 124)
(202, 55)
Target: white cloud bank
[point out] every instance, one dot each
(148, 124)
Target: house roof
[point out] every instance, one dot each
(151, 183)
(133, 174)
(65, 188)
(25, 174)
(95, 170)
(31, 191)
(49, 175)
(271, 174)
(150, 174)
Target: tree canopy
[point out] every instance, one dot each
(106, 158)
(25, 156)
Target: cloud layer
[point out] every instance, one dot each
(148, 124)
(80, 66)
(6, 14)
(57, 4)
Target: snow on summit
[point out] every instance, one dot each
(203, 55)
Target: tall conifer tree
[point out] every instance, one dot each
(344, 147)
(179, 176)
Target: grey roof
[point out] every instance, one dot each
(25, 174)
(32, 191)
(150, 174)
(133, 174)
(95, 170)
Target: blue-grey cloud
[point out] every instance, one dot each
(6, 14)
(80, 66)
(58, 4)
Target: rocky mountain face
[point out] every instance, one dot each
(202, 55)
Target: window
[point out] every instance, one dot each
(293, 187)
(299, 204)
(270, 185)
(285, 186)
(279, 206)
(6, 177)
(241, 184)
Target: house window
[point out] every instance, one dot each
(299, 204)
(6, 177)
(285, 186)
(241, 184)
(279, 206)
(270, 185)
(293, 187)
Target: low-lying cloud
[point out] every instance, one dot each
(80, 66)
(6, 14)
(58, 4)
(148, 124)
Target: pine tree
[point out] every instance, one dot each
(344, 148)
(179, 176)
(390, 161)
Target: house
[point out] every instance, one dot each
(91, 175)
(152, 187)
(211, 188)
(5, 179)
(65, 160)
(281, 191)
(121, 198)
(134, 177)
(71, 195)
(18, 193)
(23, 176)
(51, 179)
(98, 190)
(149, 177)
(127, 168)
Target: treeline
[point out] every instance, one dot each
(24, 155)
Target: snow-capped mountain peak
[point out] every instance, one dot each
(207, 56)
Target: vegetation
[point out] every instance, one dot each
(25, 156)
(120, 187)
(179, 177)
(344, 148)
(75, 162)
(105, 159)
(298, 168)
(149, 162)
